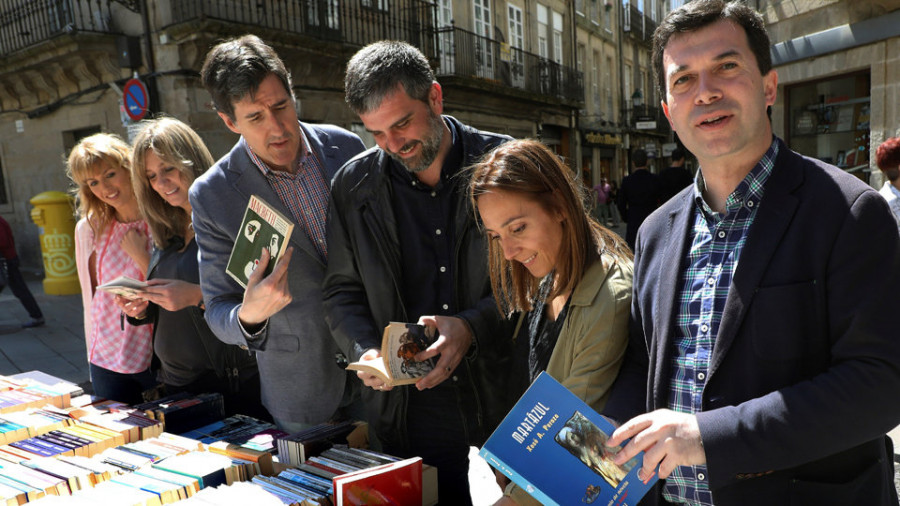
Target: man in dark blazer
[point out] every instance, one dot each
(289, 165)
(763, 351)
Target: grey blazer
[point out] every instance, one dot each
(296, 354)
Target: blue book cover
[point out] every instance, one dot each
(552, 445)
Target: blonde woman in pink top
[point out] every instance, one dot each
(111, 240)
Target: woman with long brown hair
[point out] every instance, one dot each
(554, 267)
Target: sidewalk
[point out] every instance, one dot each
(56, 348)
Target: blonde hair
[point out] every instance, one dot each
(176, 144)
(86, 159)
(528, 168)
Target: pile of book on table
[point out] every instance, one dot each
(104, 452)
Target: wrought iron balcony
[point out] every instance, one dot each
(640, 27)
(25, 23)
(466, 54)
(356, 22)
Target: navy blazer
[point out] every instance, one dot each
(805, 373)
(300, 381)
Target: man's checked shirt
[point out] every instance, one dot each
(716, 242)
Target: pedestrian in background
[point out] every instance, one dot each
(14, 277)
(675, 177)
(763, 363)
(602, 202)
(639, 195)
(887, 157)
(111, 240)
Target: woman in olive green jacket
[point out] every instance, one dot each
(554, 267)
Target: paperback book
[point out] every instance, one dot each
(399, 345)
(553, 446)
(262, 227)
(125, 286)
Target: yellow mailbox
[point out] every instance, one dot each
(53, 214)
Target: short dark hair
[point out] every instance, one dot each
(677, 154)
(887, 157)
(374, 72)
(639, 157)
(698, 14)
(235, 68)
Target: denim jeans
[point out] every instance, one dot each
(121, 387)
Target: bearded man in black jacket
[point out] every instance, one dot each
(404, 246)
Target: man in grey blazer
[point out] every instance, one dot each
(289, 165)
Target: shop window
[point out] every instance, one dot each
(829, 120)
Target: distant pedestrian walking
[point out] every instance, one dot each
(675, 177)
(14, 277)
(603, 202)
(639, 195)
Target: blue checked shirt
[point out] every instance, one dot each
(305, 192)
(716, 242)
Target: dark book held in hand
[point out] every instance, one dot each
(262, 227)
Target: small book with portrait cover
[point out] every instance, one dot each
(262, 227)
(399, 345)
(552, 445)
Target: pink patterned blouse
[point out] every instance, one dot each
(120, 350)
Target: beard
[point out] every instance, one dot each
(431, 146)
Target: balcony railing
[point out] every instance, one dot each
(24, 23)
(356, 22)
(640, 27)
(466, 54)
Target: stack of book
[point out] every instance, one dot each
(296, 448)
(24, 396)
(134, 425)
(184, 412)
(81, 439)
(344, 475)
(20, 425)
(242, 438)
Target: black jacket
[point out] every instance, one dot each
(362, 287)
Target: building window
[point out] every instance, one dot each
(607, 85)
(557, 37)
(595, 82)
(517, 44)
(626, 80)
(381, 5)
(543, 19)
(579, 57)
(484, 56)
(579, 7)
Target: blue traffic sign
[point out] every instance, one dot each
(136, 99)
